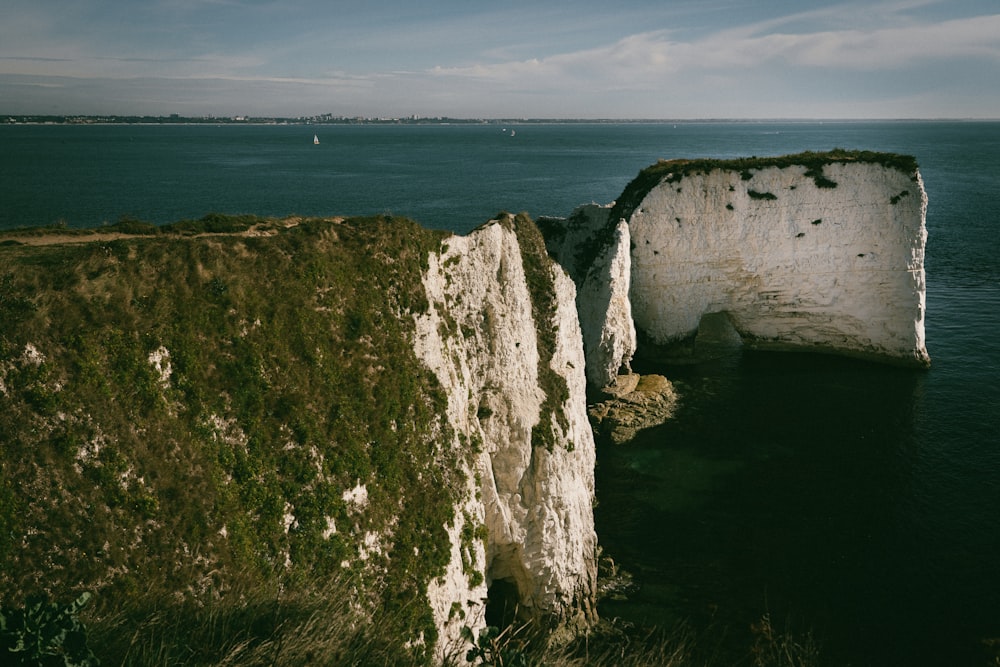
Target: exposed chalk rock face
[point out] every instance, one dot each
(609, 338)
(533, 501)
(831, 261)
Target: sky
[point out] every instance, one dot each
(664, 59)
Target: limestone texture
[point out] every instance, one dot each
(609, 336)
(837, 268)
(480, 339)
(824, 254)
(632, 404)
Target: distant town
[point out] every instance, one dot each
(322, 119)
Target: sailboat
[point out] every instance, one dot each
(316, 139)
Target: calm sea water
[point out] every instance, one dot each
(857, 500)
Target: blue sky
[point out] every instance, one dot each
(538, 58)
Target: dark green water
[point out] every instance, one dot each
(857, 500)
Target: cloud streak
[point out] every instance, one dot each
(696, 57)
(650, 56)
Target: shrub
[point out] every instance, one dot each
(213, 223)
(45, 633)
(129, 225)
(495, 648)
(815, 172)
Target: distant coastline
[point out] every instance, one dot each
(330, 119)
(323, 119)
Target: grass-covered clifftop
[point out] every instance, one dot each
(675, 170)
(232, 404)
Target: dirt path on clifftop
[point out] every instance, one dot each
(55, 238)
(43, 237)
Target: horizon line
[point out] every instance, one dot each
(329, 118)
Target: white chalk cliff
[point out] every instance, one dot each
(825, 253)
(609, 337)
(481, 339)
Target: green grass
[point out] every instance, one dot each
(292, 378)
(320, 625)
(249, 625)
(538, 273)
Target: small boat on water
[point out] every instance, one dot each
(316, 139)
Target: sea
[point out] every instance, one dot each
(847, 503)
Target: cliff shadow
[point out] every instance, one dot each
(784, 485)
(715, 338)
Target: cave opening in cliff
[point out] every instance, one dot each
(716, 333)
(502, 602)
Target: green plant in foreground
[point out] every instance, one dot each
(295, 622)
(773, 648)
(45, 633)
(494, 647)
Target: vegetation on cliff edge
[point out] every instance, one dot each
(673, 171)
(538, 274)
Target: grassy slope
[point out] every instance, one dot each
(292, 379)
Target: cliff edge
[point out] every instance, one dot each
(502, 337)
(191, 411)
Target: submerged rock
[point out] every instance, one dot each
(633, 403)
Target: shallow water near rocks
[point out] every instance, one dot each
(804, 486)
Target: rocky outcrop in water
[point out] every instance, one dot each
(609, 338)
(633, 404)
(276, 401)
(817, 251)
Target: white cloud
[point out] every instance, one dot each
(274, 59)
(652, 58)
(876, 49)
